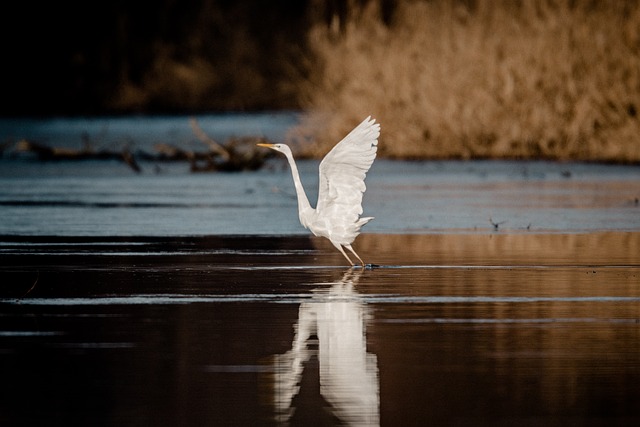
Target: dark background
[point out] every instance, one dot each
(76, 57)
(104, 56)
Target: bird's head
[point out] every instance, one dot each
(283, 148)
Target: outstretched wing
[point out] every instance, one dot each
(342, 174)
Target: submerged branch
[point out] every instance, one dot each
(46, 153)
(214, 147)
(237, 154)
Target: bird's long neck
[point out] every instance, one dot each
(303, 201)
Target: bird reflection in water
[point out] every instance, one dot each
(331, 327)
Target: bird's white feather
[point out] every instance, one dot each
(341, 184)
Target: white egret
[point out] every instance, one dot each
(340, 189)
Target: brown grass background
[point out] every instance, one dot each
(481, 79)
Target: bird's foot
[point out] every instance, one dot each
(367, 266)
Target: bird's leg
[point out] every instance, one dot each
(337, 245)
(354, 252)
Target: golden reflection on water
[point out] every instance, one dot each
(547, 324)
(331, 327)
(525, 248)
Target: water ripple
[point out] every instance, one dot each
(511, 321)
(169, 299)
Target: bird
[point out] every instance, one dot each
(340, 188)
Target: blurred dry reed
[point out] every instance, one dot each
(552, 79)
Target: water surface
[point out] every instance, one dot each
(503, 293)
(107, 199)
(505, 329)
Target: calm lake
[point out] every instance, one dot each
(506, 293)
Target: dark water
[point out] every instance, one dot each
(502, 329)
(507, 293)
